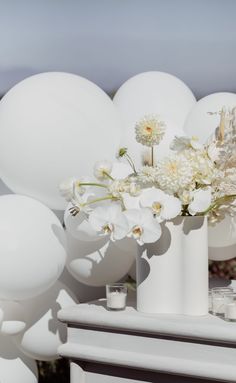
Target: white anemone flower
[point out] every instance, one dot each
(143, 226)
(130, 202)
(102, 170)
(201, 201)
(109, 220)
(163, 206)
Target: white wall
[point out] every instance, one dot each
(108, 41)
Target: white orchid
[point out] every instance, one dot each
(163, 206)
(109, 220)
(142, 226)
(102, 170)
(66, 188)
(201, 201)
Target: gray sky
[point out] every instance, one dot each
(108, 41)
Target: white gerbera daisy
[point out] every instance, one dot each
(174, 173)
(150, 130)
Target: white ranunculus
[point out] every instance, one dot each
(109, 220)
(102, 169)
(163, 205)
(142, 226)
(201, 201)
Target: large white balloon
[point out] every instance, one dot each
(202, 124)
(153, 93)
(44, 333)
(222, 239)
(32, 247)
(15, 367)
(96, 263)
(52, 126)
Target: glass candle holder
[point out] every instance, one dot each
(219, 299)
(230, 307)
(116, 295)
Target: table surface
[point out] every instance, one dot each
(95, 315)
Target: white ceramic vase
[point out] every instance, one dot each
(172, 273)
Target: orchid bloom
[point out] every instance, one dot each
(142, 225)
(102, 170)
(201, 201)
(163, 206)
(109, 220)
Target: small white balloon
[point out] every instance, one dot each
(96, 264)
(15, 367)
(222, 253)
(44, 332)
(53, 126)
(154, 93)
(200, 122)
(32, 247)
(14, 319)
(223, 233)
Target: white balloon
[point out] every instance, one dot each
(222, 240)
(222, 253)
(15, 367)
(202, 124)
(44, 333)
(13, 321)
(53, 126)
(152, 93)
(32, 247)
(222, 234)
(96, 263)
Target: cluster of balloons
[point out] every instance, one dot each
(56, 125)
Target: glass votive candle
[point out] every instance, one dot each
(210, 301)
(116, 295)
(230, 308)
(219, 299)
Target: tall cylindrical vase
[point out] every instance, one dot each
(172, 273)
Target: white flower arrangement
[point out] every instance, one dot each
(195, 180)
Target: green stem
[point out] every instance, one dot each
(108, 175)
(99, 200)
(130, 161)
(218, 202)
(152, 156)
(92, 184)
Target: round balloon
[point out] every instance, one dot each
(32, 247)
(13, 321)
(96, 263)
(53, 126)
(222, 253)
(44, 333)
(15, 367)
(222, 247)
(152, 93)
(204, 118)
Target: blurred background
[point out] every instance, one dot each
(108, 41)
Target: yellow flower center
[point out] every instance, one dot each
(137, 231)
(148, 130)
(156, 207)
(107, 229)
